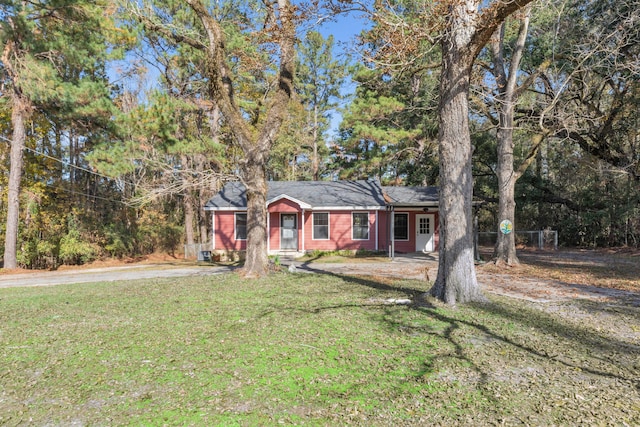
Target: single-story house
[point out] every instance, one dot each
(331, 215)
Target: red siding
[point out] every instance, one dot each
(382, 232)
(284, 205)
(340, 231)
(224, 232)
(274, 230)
(340, 234)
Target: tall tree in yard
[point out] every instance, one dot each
(506, 51)
(461, 29)
(584, 96)
(468, 26)
(239, 54)
(52, 60)
(588, 100)
(255, 143)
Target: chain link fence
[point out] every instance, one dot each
(540, 239)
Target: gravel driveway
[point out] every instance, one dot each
(421, 266)
(409, 266)
(107, 274)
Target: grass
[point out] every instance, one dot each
(303, 349)
(341, 256)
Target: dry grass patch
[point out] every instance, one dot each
(606, 269)
(307, 349)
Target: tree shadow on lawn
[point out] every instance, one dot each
(604, 269)
(604, 351)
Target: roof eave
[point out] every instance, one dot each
(414, 205)
(300, 203)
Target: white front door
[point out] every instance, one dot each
(424, 232)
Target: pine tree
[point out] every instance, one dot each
(320, 78)
(53, 62)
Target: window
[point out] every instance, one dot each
(401, 226)
(360, 226)
(320, 226)
(241, 226)
(424, 225)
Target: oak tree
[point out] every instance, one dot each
(468, 27)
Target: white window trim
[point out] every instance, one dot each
(313, 226)
(368, 227)
(235, 226)
(408, 227)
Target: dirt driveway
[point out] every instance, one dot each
(410, 266)
(108, 274)
(425, 266)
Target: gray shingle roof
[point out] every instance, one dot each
(329, 194)
(317, 194)
(411, 196)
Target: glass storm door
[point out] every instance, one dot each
(424, 233)
(288, 232)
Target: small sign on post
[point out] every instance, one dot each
(506, 227)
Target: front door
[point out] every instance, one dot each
(424, 232)
(288, 232)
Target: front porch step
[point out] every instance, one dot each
(288, 255)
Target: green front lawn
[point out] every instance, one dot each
(296, 349)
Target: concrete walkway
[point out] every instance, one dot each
(414, 266)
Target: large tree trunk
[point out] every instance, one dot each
(189, 217)
(466, 32)
(188, 202)
(257, 261)
(202, 195)
(255, 145)
(19, 115)
(505, 249)
(456, 280)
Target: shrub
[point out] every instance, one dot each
(75, 251)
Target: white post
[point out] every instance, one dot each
(393, 229)
(213, 230)
(302, 225)
(541, 239)
(376, 231)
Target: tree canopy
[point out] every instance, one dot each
(120, 120)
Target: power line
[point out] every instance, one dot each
(88, 195)
(68, 164)
(75, 167)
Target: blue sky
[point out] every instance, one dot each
(344, 31)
